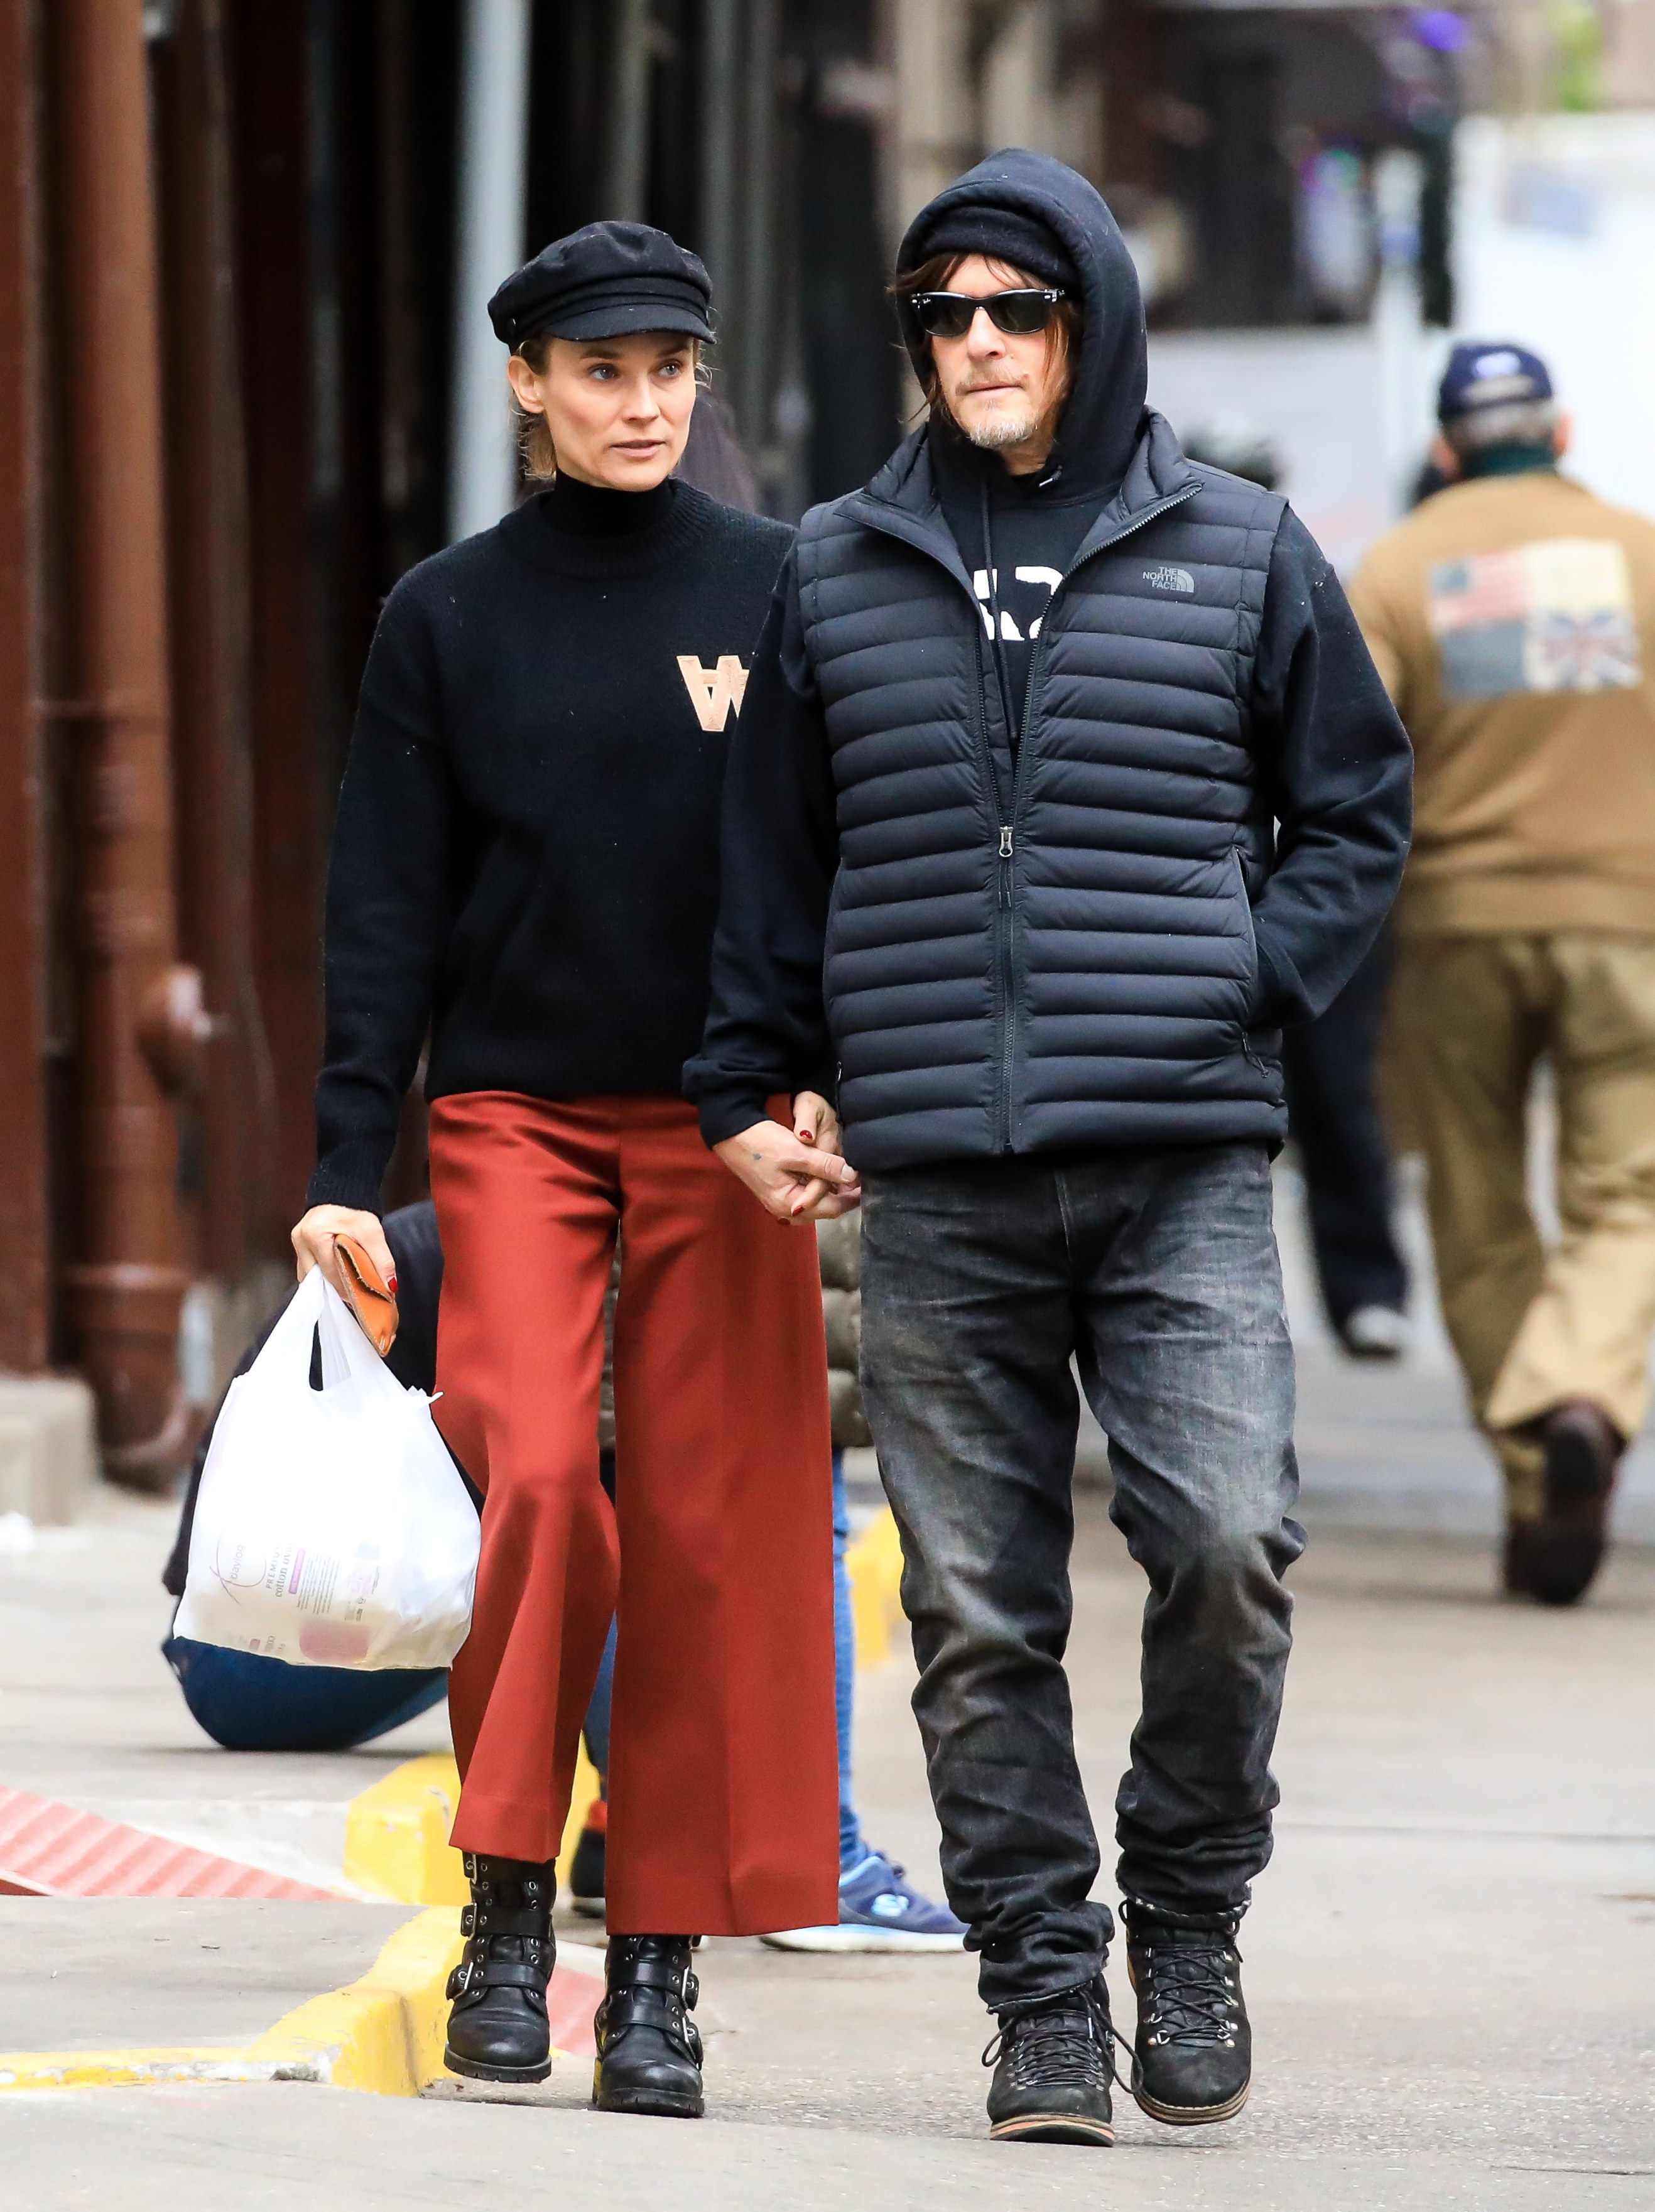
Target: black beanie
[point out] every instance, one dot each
(998, 233)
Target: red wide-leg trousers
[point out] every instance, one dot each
(723, 1787)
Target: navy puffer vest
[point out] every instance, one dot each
(1060, 956)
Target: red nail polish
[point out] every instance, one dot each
(391, 1285)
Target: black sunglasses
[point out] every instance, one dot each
(951, 314)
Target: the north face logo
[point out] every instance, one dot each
(714, 691)
(1170, 580)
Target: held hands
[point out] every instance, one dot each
(797, 1173)
(313, 1242)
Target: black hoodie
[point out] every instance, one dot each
(1316, 852)
(1028, 528)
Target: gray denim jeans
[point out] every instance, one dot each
(1158, 1272)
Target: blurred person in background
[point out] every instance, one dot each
(1331, 1067)
(880, 1909)
(526, 860)
(1513, 617)
(1002, 860)
(247, 1702)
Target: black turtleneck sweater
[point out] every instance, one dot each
(525, 859)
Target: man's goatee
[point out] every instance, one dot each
(992, 436)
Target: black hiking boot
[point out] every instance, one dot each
(649, 2049)
(497, 2030)
(1193, 2055)
(1053, 2063)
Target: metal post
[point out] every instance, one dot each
(493, 186)
(209, 540)
(25, 1286)
(721, 47)
(270, 150)
(626, 176)
(936, 137)
(758, 257)
(1018, 80)
(124, 1294)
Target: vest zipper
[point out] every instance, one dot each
(1007, 830)
(1006, 926)
(1002, 908)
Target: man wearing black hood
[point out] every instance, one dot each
(1063, 780)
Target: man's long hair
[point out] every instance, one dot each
(936, 275)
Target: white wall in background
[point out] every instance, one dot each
(1555, 248)
(1319, 397)
(1553, 245)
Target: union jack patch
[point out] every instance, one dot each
(1554, 616)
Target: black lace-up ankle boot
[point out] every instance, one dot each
(497, 2029)
(649, 2049)
(1193, 2056)
(1053, 2063)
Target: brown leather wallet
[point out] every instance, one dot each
(367, 1294)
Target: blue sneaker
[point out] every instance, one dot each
(879, 1910)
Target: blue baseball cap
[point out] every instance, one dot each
(1488, 373)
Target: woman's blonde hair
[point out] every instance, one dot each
(536, 452)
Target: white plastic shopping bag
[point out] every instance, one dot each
(332, 1528)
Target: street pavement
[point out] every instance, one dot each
(1450, 1963)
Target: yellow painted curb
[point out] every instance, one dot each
(873, 1562)
(396, 1838)
(383, 2034)
(123, 2069)
(397, 1832)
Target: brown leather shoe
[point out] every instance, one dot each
(1554, 1559)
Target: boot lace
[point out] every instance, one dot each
(1193, 1992)
(1067, 2039)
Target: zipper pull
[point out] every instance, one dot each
(1005, 840)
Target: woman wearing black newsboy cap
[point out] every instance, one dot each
(527, 863)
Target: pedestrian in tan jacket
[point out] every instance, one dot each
(1513, 617)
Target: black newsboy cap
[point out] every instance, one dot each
(604, 282)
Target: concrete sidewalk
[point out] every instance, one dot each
(89, 1712)
(96, 1973)
(1449, 1963)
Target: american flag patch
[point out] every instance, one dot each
(1556, 616)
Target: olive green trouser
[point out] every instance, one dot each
(1534, 1329)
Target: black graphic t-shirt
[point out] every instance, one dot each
(1035, 524)
(526, 858)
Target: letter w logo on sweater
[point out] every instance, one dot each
(714, 691)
